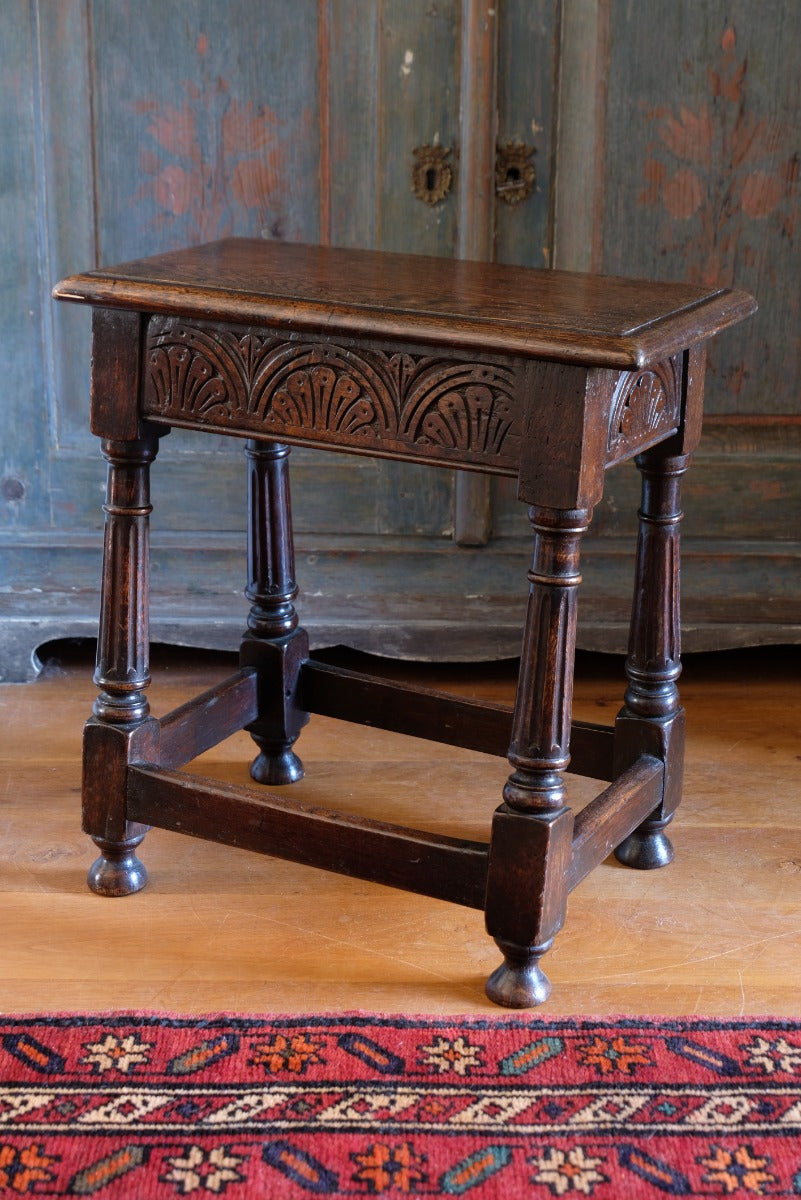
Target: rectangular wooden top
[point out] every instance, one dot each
(565, 316)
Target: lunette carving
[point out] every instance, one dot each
(253, 382)
(646, 406)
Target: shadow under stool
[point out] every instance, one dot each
(545, 376)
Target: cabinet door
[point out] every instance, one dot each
(137, 127)
(698, 178)
(648, 140)
(676, 151)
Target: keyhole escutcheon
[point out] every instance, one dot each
(432, 174)
(515, 174)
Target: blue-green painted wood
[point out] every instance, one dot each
(66, 191)
(418, 72)
(128, 126)
(527, 62)
(351, 59)
(23, 442)
(207, 121)
(703, 175)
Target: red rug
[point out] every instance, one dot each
(507, 1106)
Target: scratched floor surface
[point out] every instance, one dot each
(718, 932)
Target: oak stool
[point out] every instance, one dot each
(545, 376)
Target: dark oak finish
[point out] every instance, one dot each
(208, 719)
(429, 864)
(546, 376)
(437, 716)
(135, 128)
(273, 645)
(613, 815)
(561, 315)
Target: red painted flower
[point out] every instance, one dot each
(721, 165)
(212, 165)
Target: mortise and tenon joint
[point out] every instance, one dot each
(548, 377)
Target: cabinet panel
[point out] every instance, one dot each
(665, 142)
(701, 182)
(23, 477)
(527, 62)
(702, 176)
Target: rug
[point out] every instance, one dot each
(148, 1106)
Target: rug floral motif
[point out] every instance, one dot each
(151, 1107)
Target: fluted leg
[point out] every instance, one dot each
(121, 725)
(652, 721)
(532, 831)
(273, 643)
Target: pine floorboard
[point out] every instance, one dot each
(716, 933)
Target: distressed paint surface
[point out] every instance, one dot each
(206, 123)
(23, 462)
(419, 74)
(702, 176)
(526, 101)
(133, 126)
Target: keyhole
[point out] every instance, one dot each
(431, 174)
(514, 172)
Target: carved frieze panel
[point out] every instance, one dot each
(646, 407)
(412, 405)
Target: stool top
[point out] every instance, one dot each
(566, 316)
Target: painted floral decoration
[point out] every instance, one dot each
(211, 163)
(721, 165)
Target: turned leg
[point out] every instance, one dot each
(273, 643)
(532, 831)
(120, 729)
(652, 721)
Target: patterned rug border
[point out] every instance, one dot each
(158, 1105)
(503, 1019)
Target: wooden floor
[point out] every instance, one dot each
(718, 932)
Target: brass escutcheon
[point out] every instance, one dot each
(431, 173)
(515, 175)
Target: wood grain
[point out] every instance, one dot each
(700, 166)
(717, 932)
(571, 317)
(107, 110)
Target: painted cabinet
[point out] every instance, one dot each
(648, 139)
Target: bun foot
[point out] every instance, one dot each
(646, 849)
(519, 982)
(277, 767)
(118, 871)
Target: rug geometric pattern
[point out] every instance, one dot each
(359, 1105)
